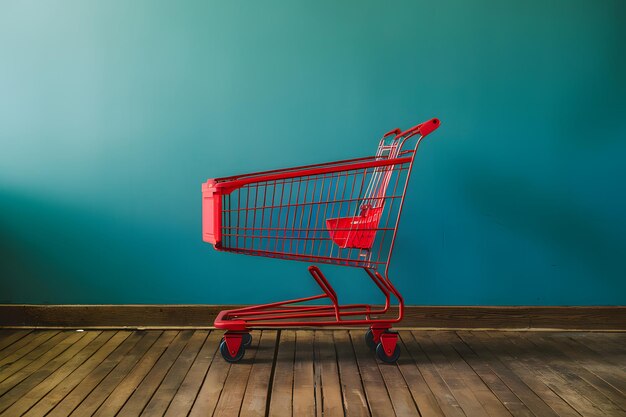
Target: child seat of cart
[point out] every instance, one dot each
(359, 230)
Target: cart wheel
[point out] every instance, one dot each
(226, 354)
(369, 339)
(380, 352)
(246, 339)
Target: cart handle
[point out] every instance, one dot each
(423, 128)
(395, 131)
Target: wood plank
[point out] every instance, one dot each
(20, 349)
(105, 342)
(488, 400)
(332, 399)
(304, 401)
(91, 392)
(446, 317)
(167, 389)
(8, 337)
(375, 389)
(211, 388)
(120, 394)
(316, 373)
(255, 400)
(401, 398)
(575, 363)
(58, 356)
(551, 360)
(448, 404)
(461, 391)
(230, 400)
(488, 371)
(36, 359)
(139, 399)
(533, 360)
(603, 343)
(419, 389)
(186, 395)
(487, 348)
(282, 386)
(116, 346)
(354, 401)
(6, 334)
(87, 386)
(606, 354)
(599, 364)
(317, 376)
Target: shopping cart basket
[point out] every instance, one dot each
(342, 213)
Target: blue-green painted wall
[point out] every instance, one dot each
(112, 113)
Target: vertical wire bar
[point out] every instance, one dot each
(229, 214)
(361, 195)
(287, 215)
(325, 213)
(317, 212)
(295, 216)
(401, 169)
(339, 203)
(306, 191)
(246, 224)
(280, 209)
(261, 229)
(269, 226)
(225, 222)
(332, 211)
(308, 224)
(348, 211)
(238, 225)
(254, 208)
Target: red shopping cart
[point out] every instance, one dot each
(342, 213)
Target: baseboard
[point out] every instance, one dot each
(441, 317)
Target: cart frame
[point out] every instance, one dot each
(356, 239)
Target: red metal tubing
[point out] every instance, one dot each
(344, 213)
(229, 186)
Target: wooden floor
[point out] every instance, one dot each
(306, 373)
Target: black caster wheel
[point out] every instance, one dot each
(246, 339)
(226, 354)
(369, 339)
(380, 352)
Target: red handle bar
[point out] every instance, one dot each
(422, 128)
(395, 131)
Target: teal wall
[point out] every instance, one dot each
(112, 114)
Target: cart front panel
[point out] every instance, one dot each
(338, 214)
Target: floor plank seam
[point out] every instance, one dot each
(139, 360)
(417, 407)
(87, 375)
(139, 382)
(343, 404)
(186, 373)
(358, 367)
(293, 372)
(98, 384)
(49, 360)
(497, 373)
(270, 383)
(206, 373)
(485, 382)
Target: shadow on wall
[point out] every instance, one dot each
(19, 269)
(538, 213)
(64, 254)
